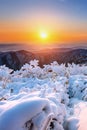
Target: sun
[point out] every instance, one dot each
(43, 35)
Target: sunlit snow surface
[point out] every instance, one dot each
(49, 98)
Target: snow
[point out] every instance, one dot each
(24, 111)
(49, 98)
(78, 120)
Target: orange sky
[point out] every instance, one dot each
(25, 37)
(64, 21)
(16, 32)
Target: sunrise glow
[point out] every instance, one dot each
(43, 22)
(43, 35)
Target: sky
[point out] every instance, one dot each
(64, 21)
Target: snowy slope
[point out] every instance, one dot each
(49, 98)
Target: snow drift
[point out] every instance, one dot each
(49, 98)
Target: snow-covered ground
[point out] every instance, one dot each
(49, 98)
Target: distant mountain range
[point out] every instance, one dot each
(16, 59)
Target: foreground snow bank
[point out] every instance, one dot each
(79, 119)
(15, 117)
(35, 98)
(36, 113)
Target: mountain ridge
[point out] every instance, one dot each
(16, 59)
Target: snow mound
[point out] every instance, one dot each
(49, 98)
(36, 113)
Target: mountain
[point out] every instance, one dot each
(16, 59)
(77, 56)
